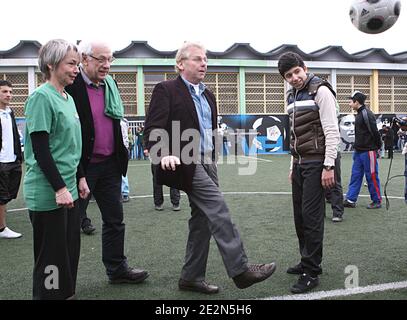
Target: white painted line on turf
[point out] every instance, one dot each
(140, 165)
(256, 158)
(342, 292)
(225, 193)
(225, 161)
(257, 192)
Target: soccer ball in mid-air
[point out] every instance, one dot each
(374, 16)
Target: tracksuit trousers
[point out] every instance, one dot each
(364, 164)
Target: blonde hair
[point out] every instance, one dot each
(52, 53)
(183, 52)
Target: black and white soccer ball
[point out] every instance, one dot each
(374, 16)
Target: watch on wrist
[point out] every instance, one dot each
(328, 168)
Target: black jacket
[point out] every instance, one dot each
(16, 136)
(367, 137)
(389, 138)
(171, 102)
(80, 95)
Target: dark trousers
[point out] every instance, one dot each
(390, 152)
(10, 177)
(405, 174)
(158, 191)
(140, 151)
(309, 212)
(335, 194)
(104, 181)
(56, 252)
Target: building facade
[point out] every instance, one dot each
(244, 81)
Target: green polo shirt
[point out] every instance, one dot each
(46, 110)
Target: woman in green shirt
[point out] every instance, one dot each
(53, 180)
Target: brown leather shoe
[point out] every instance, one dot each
(132, 275)
(197, 286)
(255, 273)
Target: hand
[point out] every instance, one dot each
(328, 179)
(83, 188)
(170, 163)
(64, 198)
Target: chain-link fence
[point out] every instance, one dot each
(346, 84)
(264, 93)
(20, 91)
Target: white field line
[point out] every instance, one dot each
(342, 292)
(140, 165)
(256, 158)
(225, 193)
(223, 161)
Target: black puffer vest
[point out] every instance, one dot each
(307, 139)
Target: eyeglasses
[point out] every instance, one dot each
(103, 60)
(197, 59)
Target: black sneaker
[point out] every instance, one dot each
(349, 204)
(305, 283)
(176, 207)
(297, 269)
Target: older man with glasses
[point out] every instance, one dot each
(104, 156)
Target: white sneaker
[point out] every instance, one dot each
(9, 234)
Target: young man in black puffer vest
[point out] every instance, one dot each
(314, 136)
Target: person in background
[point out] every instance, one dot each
(54, 180)
(389, 141)
(402, 139)
(403, 130)
(139, 144)
(124, 124)
(104, 156)
(367, 144)
(131, 143)
(382, 133)
(10, 158)
(159, 195)
(404, 151)
(334, 195)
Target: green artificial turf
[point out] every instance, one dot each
(260, 204)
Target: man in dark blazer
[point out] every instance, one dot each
(179, 137)
(104, 156)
